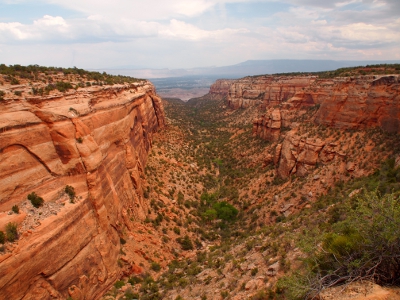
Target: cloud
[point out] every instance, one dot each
(143, 10)
(51, 29)
(47, 26)
(181, 30)
(181, 33)
(96, 28)
(360, 27)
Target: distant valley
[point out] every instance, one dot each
(183, 88)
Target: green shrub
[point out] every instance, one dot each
(119, 284)
(209, 215)
(224, 294)
(63, 86)
(2, 237)
(181, 197)
(35, 200)
(155, 267)
(70, 191)
(15, 209)
(225, 211)
(363, 246)
(14, 81)
(135, 280)
(186, 243)
(130, 295)
(11, 232)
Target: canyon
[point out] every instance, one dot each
(145, 220)
(95, 139)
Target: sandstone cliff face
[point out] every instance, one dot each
(343, 103)
(359, 102)
(348, 102)
(220, 89)
(297, 155)
(266, 90)
(94, 139)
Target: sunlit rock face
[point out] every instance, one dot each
(95, 139)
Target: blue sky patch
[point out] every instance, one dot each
(26, 13)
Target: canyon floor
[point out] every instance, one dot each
(266, 226)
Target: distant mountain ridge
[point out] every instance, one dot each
(249, 68)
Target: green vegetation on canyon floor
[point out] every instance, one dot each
(246, 233)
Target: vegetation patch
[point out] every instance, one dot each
(36, 200)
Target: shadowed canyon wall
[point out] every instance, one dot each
(95, 139)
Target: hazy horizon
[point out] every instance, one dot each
(246, 68)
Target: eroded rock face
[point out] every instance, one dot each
(343, 103)
(220, 88)
(360, 102)
(266, 90)
(96, 140)
(298, 155)
(269, 126)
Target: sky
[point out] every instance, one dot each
(95, 34)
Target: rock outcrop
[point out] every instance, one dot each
(266, 90)
(297, 155)
(220, 88)
(269, 126)
(95, 139)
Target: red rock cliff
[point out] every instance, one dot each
(345, 102)
(355, 102)
(94, 139)
(267, 90)
(220, 89)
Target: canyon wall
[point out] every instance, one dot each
(265, 90)
(220, 88)
(95, 139)
(356, 103)
(345, 102)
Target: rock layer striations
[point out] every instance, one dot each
(345, 102)
(95, 139)
(355, 103)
